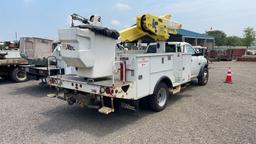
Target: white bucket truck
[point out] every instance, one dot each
(106, 80)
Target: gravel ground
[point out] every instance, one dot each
(215, 113)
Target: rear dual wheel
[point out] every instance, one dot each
(158, 100)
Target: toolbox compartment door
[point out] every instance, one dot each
(143, 76)
(186, 73)
(178, 67)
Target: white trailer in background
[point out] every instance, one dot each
(105, 79)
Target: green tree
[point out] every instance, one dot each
(249, 36)
(233, 41)
(219, 36)
(254, 43)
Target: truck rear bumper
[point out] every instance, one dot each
(102, 87)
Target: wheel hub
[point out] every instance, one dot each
(21, 75)
(161, 97)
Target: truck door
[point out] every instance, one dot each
(178, 64)
(195, 63)
(186, 73)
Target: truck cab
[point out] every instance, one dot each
(197, 59)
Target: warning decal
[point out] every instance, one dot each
(143, 62)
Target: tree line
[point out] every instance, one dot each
(221, 39)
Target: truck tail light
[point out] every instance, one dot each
(109, 91)
(52, 81)
(122, 72)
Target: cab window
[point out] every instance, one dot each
(170, 48)
(152, 48)
(190, 50)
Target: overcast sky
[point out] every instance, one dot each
(43, 18)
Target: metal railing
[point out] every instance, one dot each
(49, 65)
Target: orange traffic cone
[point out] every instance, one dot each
(229, 76)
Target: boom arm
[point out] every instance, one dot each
(157, 28)
(78, 18)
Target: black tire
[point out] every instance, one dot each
(203, 77)
(18, 75)
(154, 100)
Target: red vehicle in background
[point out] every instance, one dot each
(226, 54)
